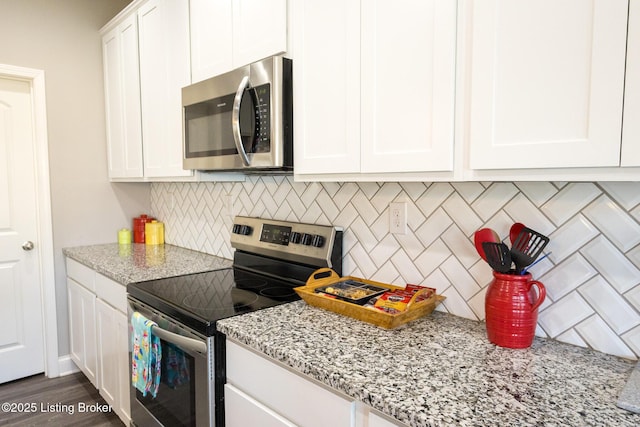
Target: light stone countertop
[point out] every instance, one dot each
(437, 371)
(138, 262)
(441, 370)
(630, 397)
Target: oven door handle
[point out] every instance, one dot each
(184, 343)
(235, 121)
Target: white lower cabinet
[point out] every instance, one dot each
(263, 392)
(113, 367)
(268, 389)
(82, 306)
(242, 410)
(368, 417)
(377, 421)
(99, 334)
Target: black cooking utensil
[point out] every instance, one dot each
(498, 256)
(527, 247)
(484, 235)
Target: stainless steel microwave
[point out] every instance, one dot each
(241, 120)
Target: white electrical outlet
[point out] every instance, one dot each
(398, 217)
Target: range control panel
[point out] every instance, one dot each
(306, 243)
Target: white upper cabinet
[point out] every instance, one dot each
(326, 86)
(374, 86)
(546, 83)
(164, 70)
(259, 29)
(226, 34)
(146, 64)
(122, 95)
(631, 120)
(408, 85)
(427, 90)
(211, 38)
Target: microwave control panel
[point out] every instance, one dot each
(263, 118)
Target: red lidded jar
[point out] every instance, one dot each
(138, 228)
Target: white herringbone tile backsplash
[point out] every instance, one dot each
(592, 275)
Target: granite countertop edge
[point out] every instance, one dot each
(630, 397)
(438, 370)
(455, 383)
(138, 262)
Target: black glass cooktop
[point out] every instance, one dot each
(199, 300)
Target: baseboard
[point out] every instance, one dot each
(66, 366)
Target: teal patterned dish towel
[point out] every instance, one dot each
(176, 372)
(145, 356)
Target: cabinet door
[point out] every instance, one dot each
(408, 85)
(123, 360)
(211, 38)
(259, 30)
(107, 352)
(326, 76)
(300, 400)
(164, 70)
(113, 358)
(377, 421)
(546, 83)
(122, 98)
(82, 330)
(241, 411)
(631, 121)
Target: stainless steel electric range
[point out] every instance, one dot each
(271, 258)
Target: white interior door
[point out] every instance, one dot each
(21, 328)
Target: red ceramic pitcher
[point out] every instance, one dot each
(511, 309)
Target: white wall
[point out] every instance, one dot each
(61, 37)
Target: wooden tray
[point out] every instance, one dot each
(326, 276)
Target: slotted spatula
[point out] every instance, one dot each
(498, 256)
(527, 247)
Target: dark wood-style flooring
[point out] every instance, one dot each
(52, 401)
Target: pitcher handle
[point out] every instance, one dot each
(542, 293)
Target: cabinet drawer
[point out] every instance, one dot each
(111, 292)
(378, 421)
(241, 410)
(297, 399)
(82, 274)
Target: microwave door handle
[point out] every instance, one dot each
(184, 343)
(235, 121)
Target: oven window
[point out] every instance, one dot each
(175, 403)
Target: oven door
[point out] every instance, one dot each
(185, 395)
